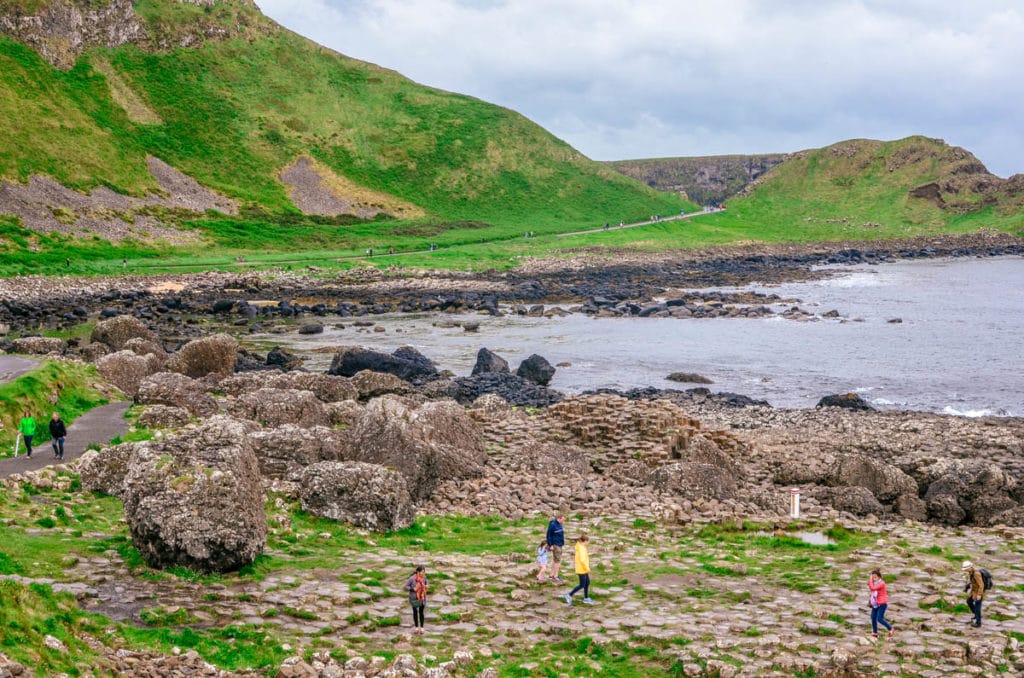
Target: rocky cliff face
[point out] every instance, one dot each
(704, 180)
(61, 30)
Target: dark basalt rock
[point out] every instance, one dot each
(488, 362)
(849, 401)
(536, 369)
(516, 390)
(405, 363)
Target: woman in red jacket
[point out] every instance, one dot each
(879, 602)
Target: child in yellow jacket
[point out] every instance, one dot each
(582, 571)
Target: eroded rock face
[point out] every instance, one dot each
(117, 331)
(375, 384)
(968, 490)
(196, 500)
(885, 481)
(125, 370)
(365, 495)
(435, 442)
(209, 355)
(326, 387)
(177, 390)
(284, 452)
(39, 345)
(275, 407)
(105, 470)
(856, 500)
(695, 481)
(164, 416)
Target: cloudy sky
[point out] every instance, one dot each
(654, 78)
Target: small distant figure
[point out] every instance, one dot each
(582, 571)
(542, 560)
(531, 234)
(621, 223)
(606, 226)
(391, 250)
(58, 431)
(27, 428)
(124, 264)
(417, 588)
(67, 263)
(682, 213)
(879, 601)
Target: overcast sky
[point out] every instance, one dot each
(655, 78)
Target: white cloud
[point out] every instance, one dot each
(641, 78)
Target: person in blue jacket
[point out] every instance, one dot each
(556, 540)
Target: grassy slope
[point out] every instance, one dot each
(235, 112)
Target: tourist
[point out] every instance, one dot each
(879, 601)
(582, 571)
(417, 588)
(976, 586)
(57, 433)
(542, 560)
(556, 541)
(27, 428)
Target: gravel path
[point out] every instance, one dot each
(96, 426)
(12, 367)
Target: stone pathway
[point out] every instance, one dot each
(97, 426)
(12, 367)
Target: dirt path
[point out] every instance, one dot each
(96, 426)
(12, 367)
(622, 227)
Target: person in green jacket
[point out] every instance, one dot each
(28, 430)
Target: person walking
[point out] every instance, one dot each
(879, 601)
(27, 427)
(58, 431)
(556, 542)
(582, 571)
(543, 556)
(417, 588)
(976, 586)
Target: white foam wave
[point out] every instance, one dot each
(972, 413)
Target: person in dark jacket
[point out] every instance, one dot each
(58, 431)
(556, 541)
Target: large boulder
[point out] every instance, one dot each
(406, 363)
(699, 449)
(345, 413)
(488, 362)
(327, 388)
(144, 346)
(115, 332)
(537, 370)
(885, 481)
(125, 370)
(849, 401)
(104, 471)
(366, 495)
(177, 390)
(694, 481)
(435, 442)
(196, 500)
(164, 416)
(966, 490)
(39, 345)
(515, 390)
(283, 358)
(375, 384)
(800, 469)
(856, 500)
(284, 452)
(216, 354)
(277, 406)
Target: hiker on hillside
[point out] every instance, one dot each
(976, 585)
(417, 588)
(582, 571)
(27, 427)
(556, 541)
(58, 431)
(879, 601)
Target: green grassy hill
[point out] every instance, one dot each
(247, 98)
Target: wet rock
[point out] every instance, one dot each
(196, 500)
(115, 332)
(689, 378)
(488, 362)
(435, 442)
(171, 388)
(125, 370)
(275, 407)
(850, 401)
(286, 360)
(513, 389)
(406, 363)
(216, 354)
(311, 328)
(537, 370)
(365, 495)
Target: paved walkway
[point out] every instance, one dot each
(12, 367)
(95, 426)
(659, 220)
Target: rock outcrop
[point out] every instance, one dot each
(277, 406)
(215, 355)
(176, 390)
(406, 363)
(365, 495)
(117, 331)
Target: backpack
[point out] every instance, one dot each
(986, 578)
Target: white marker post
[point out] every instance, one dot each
(794, 503)
(17, 443)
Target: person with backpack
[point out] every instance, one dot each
(977, 582)
(879, 601)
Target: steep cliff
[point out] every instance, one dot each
(705, 180)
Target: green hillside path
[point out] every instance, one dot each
(675, 217)
(95, 426)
